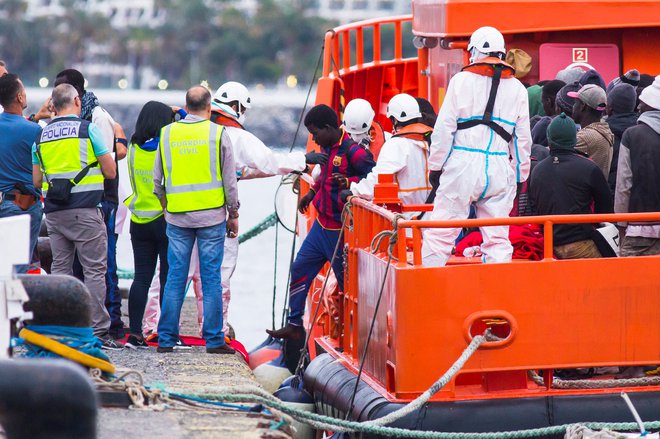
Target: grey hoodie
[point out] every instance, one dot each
(625, 175)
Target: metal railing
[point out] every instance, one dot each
(337, 49)
(366, 228)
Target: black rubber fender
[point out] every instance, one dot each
(46, 399)
(57, 300)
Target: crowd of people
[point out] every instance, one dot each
(572, 145)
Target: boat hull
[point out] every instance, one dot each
(331, 384)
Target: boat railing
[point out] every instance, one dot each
(374, 218)
(338, 49)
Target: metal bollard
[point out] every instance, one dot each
(51, 399)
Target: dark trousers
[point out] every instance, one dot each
(113, 296)
(149, 243)
(316, 250)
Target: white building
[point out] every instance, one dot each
(346, 11)
(122, 13)
(146, 12)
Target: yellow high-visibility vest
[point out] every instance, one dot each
(65, 149)
(192, 169)
(143, 203)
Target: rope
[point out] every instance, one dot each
(70, 345)
(578, 431)
(558, 383)
(309, 92)
(422, 399)
(264, 225)
(139, 395)
(277, 236)
(157, 399)
(342, 426)
(391, 234)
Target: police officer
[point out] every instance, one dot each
(148, 227)
(195, 179)
(72, 157)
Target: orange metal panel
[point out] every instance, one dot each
(458, 18)
(638, 45)
(574, 313)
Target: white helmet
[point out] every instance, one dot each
(358, 116)
(486, 40)
(233, 91)
(403, 108)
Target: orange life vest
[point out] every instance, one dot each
(377, 135)
(497, 69)
(485, 67)
(225, 119)
(415, 131)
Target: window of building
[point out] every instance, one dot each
(336, 4)
(386, 5)
(360, 4)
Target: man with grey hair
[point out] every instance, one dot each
(195, 179)
(70, 154)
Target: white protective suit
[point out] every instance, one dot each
(407, 159)
(478, 166)
(253, 160)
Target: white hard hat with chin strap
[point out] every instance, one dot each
(485, 41)
(403, 108)
(358, 116)
(233, 91)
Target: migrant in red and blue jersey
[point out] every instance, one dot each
(346, 158)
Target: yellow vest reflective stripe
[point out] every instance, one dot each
(190, 152)
(65, 149)
(143, 204)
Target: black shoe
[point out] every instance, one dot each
(181, 345)
(164, 350)
(118, 333)
(290, 331)
(136, 343)
(110, 345)
(224, 349)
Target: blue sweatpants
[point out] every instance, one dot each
(316, 250)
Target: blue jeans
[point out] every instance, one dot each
(210, 242)
(316, 250)
(8, 208)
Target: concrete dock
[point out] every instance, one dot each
(188, 372)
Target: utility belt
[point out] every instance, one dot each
(23, 201)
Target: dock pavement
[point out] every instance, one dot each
(188, 372)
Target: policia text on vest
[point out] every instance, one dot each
(68, 162)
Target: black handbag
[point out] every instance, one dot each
(59, 189)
